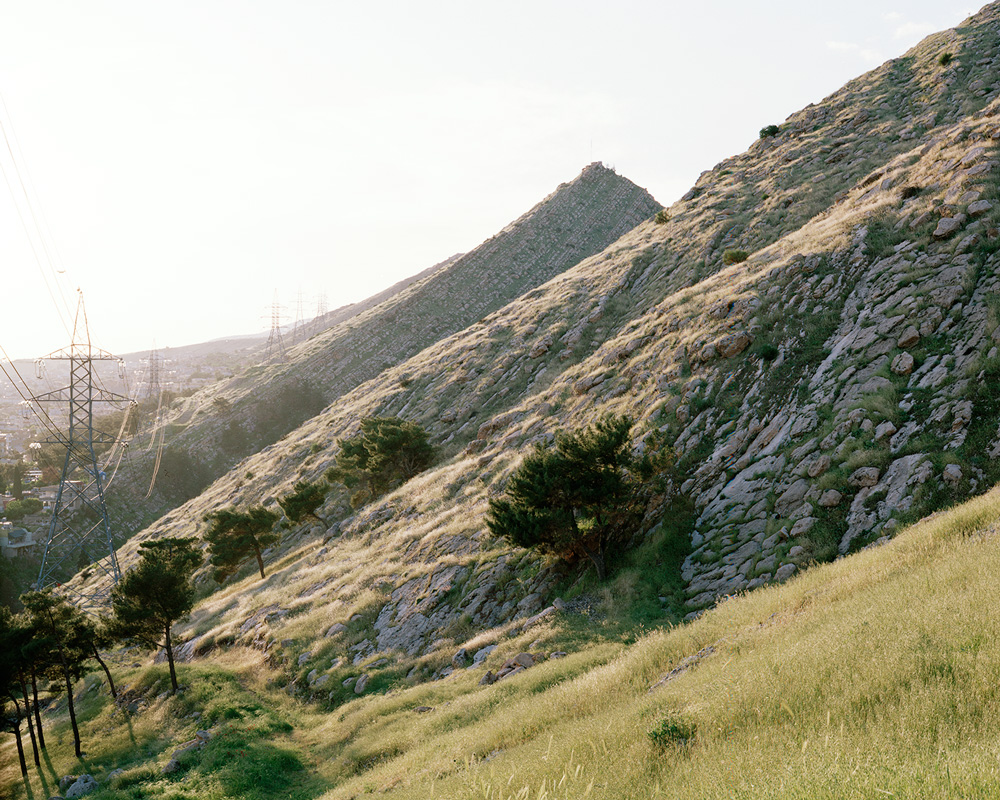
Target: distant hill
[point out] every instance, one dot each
(209, 432)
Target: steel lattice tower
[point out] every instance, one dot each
(153, 364)
(275, 346)
(79, 532)
(321, 310)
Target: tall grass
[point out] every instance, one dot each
(874, 676)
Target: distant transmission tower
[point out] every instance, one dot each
(153, 364)
(275, 346)
(79, 533)
(321, 311)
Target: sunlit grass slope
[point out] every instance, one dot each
(875, 676)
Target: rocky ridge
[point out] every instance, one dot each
(839, 381)
(207, 434)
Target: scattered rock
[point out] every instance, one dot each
(333, 630)
(864, 476)
(903, 363)
(948, 225)
(482, 654)
(819, 466)
(461, 659)
(830, 498)
(362, 684)
(908, 338)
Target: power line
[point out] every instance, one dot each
(63, 310)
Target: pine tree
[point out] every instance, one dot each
(581, 498)
(61, 639)
(154, 594)
(235, 536)
(387, 453)
(304, 501)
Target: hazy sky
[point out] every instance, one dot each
(187, 159)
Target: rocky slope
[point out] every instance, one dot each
(839, 380)
(205, 435)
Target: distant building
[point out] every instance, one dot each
(16, 542)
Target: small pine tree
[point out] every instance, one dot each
(583, 497)
(387, 453)
(235, 536)
(62, 638)
(154, 594)
(304, 501)
(10, 667)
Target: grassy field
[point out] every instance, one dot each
(875, 676)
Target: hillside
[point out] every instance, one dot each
(874, 676)
(208, 433)
(814, 327)
(829, 387)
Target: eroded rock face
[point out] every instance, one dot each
(870, 329)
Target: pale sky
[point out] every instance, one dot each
(186, 160)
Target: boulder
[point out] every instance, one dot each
(902, 364)
(85, 784)
(784, 572)
(952, 474)
(864, 476)
(460, 659)
(831, 498)
(482, 654)
(908, 338)
(734, 344)
(948, 225)
(362, 684)
(791, 498)
(884, 430)
(979, 208)
(819, 466)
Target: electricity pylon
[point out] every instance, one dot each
(153, 363)
(275, 346)
(79, 533)
(321, 310)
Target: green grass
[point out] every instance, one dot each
(876, 674)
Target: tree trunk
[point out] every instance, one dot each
(170, 660)
(596, 556)
(260, 561)
(111, 681)
(72, 711)
(27, 714)
(20, 744)
(38, 715)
